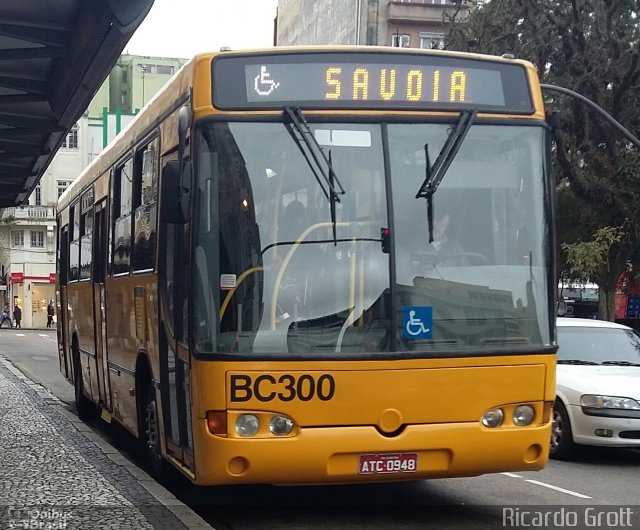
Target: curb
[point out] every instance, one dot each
(164, 497)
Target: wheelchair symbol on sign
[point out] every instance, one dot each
(263, 83)
(415, 326)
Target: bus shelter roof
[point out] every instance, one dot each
(54, 55)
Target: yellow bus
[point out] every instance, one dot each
(320, 265)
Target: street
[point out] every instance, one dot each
(594, 490)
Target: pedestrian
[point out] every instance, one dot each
(4, 317)
(17, 315)
(50, 314)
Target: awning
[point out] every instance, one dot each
(54, 55)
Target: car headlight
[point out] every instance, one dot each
(609, 402)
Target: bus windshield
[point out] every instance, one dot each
(277, 272)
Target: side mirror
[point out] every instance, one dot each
(176, 188)
(177, 176)
(185, 116)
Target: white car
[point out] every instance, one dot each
(597, 386)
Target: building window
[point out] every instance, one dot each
(147, 68)
(37, 239)
(36, 196)
(71, 141)
(166, 69)
(400, 41)
(62, 185)
(124, 76)
(432, 41)
(17, 238)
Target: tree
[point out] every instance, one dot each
(591, 47)
(589, 261)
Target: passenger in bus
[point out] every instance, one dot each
(445, 244)
(294, 222)
(445, 249)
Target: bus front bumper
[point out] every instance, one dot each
(331, 455)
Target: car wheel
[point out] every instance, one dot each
(562, 445)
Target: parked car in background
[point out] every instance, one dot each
(597, 386)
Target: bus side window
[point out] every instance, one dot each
(145, 200)
(74, 243)
(86, 234)
(122, 204)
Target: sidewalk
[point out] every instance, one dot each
(43, 327)
(56, 473)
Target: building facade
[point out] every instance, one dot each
(28, 233)
(401, 23)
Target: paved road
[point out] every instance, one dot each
(608, 480)
(36, 352)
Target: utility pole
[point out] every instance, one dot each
(143, 69)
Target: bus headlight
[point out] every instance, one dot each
(247, 425)
(493, 418)
(523, 415)
(280, 425)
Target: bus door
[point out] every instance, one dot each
(173, 268)
(99, 270)
(62, 317)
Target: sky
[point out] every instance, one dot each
(182, 28)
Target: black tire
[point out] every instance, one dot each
(85, 409)
(151, 437)
(562, 445)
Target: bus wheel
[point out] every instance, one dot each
(151, 437)
(562, 445)
(85, 409)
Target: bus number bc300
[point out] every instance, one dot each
(286, 387)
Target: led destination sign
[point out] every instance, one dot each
(369, 81)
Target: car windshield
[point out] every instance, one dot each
(600, 345)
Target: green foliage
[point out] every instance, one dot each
(593, 48)
(587, 259)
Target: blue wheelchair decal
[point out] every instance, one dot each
(417, 322)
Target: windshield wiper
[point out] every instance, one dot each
(434, 174)
(316, 158)
(620, 363)
(575, 361)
